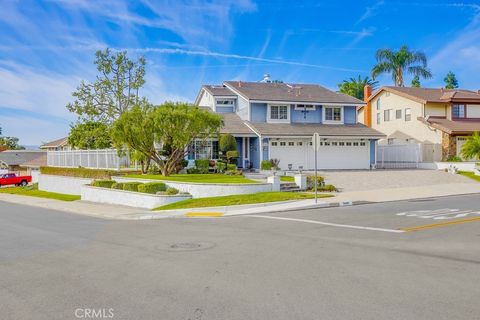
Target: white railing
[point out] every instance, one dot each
(93, 159)
(399, 156)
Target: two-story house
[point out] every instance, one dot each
(277, 121)
(442, 118)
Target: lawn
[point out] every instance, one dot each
(32, 191)
(287, 179)
(199, 178)
(471, 175)
(240, 199)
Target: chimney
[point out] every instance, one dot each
(367, 113)
(367, 92)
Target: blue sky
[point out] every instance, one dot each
(47, 47)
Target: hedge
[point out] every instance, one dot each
(103, 183)
(172, 191)
(118, 186)
(266, 165)
(328, 188)
(202, 165)
(131, 186)
(311, 182)
(84, 172)
(231, 167)
(152, 187)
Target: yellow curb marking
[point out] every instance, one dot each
(437, 225)
(203, 214)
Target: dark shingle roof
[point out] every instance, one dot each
(440, 95)
(308, 129)
(219, 90)
(452, 127)
(18, 157)
(309, 93)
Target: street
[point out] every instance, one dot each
(417, 259)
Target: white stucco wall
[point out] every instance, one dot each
(61, 184)
(462, 166)
(128, 198)
(203, 190)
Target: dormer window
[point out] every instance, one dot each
(225, 102)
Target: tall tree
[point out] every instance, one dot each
(115, 89)
(399, 62)
(171, 126)
(451, 81)
(354, 86)
(9, 143)
(471, 147)
(89, 135)
(416, 82)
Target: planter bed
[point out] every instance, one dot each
(129, 198)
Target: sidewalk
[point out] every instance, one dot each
(106, 211)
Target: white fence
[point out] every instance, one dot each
(399, 156)
(93, 159)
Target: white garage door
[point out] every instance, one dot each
(332, 154)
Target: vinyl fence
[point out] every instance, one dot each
(399, 156)
(93, 159)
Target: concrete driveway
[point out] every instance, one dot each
(363, 180)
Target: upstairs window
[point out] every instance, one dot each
(378, 118)
(378, 104)
(458, 111)
(408, 114)
(278, 112)
(333, 114)
(307, 107)
(225, 102)
(387, 115)
(398, 114)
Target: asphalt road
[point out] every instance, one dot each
(313, 264)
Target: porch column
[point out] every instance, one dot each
(449, 146)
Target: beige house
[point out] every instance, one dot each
(56, 145)
(437, 118)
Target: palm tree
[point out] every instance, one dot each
(354, 87)
(398, 62)
(471, 147)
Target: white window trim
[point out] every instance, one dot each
(324, 109)
(309, 107)
(270, 120)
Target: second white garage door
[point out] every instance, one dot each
(332, 154)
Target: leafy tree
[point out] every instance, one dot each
(171, 126)
(471, 147)
(416, 82)
(354, 86)
(451, 81)
(115, 89)
(226, 143)
(89, 135)
(9, 143)
(398, 62)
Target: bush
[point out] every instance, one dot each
(454, 159)
(152, 187)
(266, 165)
(226, 143)
(328, 188)
(202, 165)
(103, 183)
(221, 166)
(84, 172)
(311, 182)
(172, 191)
(117, 185)
(232, 155)
(193, 171)
(233, 173)
(231, 167)
(131, 186)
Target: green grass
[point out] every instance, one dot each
(287, 179)
(471, 175)
(199, 178)
(32, 191)
(240, 199)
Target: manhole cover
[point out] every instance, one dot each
(187, 246)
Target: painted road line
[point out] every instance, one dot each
(438, 225)
(329, 224)
(194, 214)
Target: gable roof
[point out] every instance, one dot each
(425, 95)
(283, 92)
(55, 143)
(19, 157)
(452, 126)
(218, 90)
(40, 161)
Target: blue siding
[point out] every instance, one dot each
(224, 109)
(265, 148)
(255, 152)
(310, 117)
(258, 112)
(240, 151)
(350, 114)
(373, 151)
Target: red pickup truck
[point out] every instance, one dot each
(11, 178)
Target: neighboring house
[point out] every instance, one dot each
(56, 145)
(277, 121)
(15, 160)
(33, 166)
(437, 118)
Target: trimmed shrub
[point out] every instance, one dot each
(193, 171)
(454, 159)
(103, 183)
(328, 188)
(311, 182)
(266, 165)
(117, 185)
(221, 166)
(131, 186)
(231, 167)
(152, 187)
(202, 165)
(172, 191)
(234, 173)
(232, 155)
(226, 143)
(84, 172)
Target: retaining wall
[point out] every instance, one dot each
(61, 184)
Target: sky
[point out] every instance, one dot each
(47, 47)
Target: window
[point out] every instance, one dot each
(203, 150)
(458, 111)
(327, 143)
(225, 102)
(333, 114)
(300, 143)
(398, 114)
(348, 144)
(274, 143)
(278, 112)
(408, 114)
(390, 140)
(282, 144)
(362, 144)
(334, 143)
(355, 144)
(378, 104)
(308, 107)
(341, 143)
(310, 143)
(291, 144)
(387, 115)
(378, 117)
